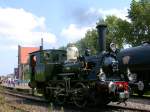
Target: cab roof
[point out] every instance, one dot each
(46, 50)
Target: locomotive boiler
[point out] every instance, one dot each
(64, 76)
(136, 60)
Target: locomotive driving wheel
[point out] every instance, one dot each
(59, 94)
(79, 95)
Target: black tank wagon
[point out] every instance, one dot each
(136, 60)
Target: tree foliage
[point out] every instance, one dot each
(139, 14)
(89, 41)
(113, 31)
(112, 35)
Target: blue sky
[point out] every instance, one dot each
(24, 22)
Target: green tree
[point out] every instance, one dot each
(113, 33)
(139, 14)
(63, 48)
(89, 41)
(115, 30)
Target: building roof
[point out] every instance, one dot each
(24, 53)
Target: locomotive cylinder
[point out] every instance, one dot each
(101, 29)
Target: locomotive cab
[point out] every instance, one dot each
(44, 65)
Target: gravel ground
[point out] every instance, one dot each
(136, 102)
(44, 107)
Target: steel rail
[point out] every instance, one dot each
(40, 99)
(128, 108)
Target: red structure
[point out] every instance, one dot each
(23, 60)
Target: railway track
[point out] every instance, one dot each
(26, 96)
(14, 107)
(128, 108)
(132, 104)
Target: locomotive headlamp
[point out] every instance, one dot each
(113, 47)
(120, 86)
(112, 87)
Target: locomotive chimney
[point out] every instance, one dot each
(101, 29)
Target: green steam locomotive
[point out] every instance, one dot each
(64, 76)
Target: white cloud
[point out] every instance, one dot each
(120, 13)
(73, 32)
(22, 27)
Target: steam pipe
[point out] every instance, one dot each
(101, 29)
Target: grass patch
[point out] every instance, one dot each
(146, 94)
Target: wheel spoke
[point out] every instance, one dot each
(79, 96)
(60, 94)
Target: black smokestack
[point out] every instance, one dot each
(101, 29)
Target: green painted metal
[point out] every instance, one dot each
(48, 64)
